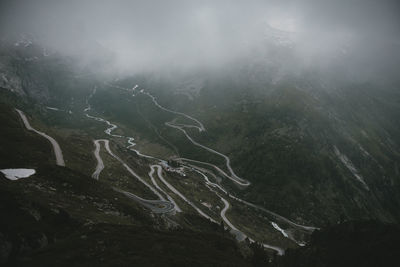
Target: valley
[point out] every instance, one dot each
(164, 165)
(211, 133)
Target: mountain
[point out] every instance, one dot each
(314, 150)
(224, 168)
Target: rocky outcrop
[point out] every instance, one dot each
(22, 70)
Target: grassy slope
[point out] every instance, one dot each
(44, 217)
(281, 138)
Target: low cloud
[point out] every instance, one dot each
(154, 35)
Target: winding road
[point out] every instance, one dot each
(56, 147)
(236, 179)
(240, 236)
(173, 189)
(184, 161)
(157, 206)
(100, 164)
(153, 180)
(233, 177)
(199, 125)
(161, 205)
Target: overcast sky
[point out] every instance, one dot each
(152, 34)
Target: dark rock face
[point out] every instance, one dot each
(22, 70)
(354, 243)
(9, 78)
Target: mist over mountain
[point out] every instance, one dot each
(165, 35)
(199, 133)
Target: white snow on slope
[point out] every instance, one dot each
(51, 108)
(347, 162)
(15, 174)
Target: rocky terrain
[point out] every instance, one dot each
(207, 169)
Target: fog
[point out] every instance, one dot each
(158, 35)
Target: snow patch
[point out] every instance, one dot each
(347, 162)
(51, 108)
(15, 174)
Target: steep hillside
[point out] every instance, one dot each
(328, 149)
(207, 169)
(59, 209)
